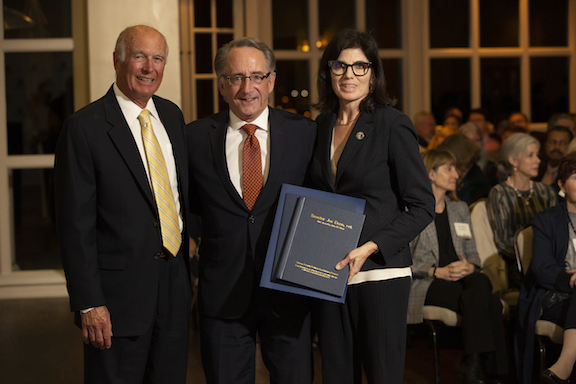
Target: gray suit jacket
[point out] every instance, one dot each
(425, 254)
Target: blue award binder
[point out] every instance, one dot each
(284, 212)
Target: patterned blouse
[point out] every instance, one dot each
(508, 212)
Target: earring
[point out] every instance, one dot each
(515, 169)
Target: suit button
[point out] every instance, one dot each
(158, 256)
(156, 224)
(252, 219)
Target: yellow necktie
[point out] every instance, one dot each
(171, 235)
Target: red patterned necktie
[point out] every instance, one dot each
(251, 167)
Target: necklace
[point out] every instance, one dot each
(526, 198)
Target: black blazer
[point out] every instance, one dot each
(380, 163)
(235, 240)
(108, 223)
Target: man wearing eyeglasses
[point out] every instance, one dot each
(239, 159)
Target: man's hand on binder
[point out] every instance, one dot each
(356, 258)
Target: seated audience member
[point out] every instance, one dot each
(472, 182)
(519, 120)
(567, 120)
(445, 273)
(517, 199)
(471, 131)
(548, 290)
(511, 130)
(425, 125)
(452, 120)
(492, 146)
(557, 140)
(441, 135)
(481, 118)
(455, 111)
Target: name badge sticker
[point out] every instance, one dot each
(463, 230)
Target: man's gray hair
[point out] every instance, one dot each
(251, 42)
(120, 49)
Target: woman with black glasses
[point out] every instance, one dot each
(367, 149)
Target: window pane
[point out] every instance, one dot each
(202, 13)
(335, 15)
(290, 24)
(449, 23)
(499, 23)
(549, 86)
(223, 38)
(41, 97)
(224, 18)
(450, 82)
(204, 97)
(548, 23)
(36, 245)
(292, 89)
(383, 19)
(37, 19)
(500, 83)
(393, 73)
(203, 50)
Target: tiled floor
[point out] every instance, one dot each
(40, 345)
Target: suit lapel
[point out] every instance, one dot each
(360, 134)
(277, 144)
(218, 144)
(453, 217)
(123, 139)
(325, 127)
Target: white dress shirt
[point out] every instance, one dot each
(235, 137)
(131, 112)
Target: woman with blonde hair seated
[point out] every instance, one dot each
(445, 273)
(517, 199)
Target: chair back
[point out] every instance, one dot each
(492, 262)
(523, 248)
(482, 231)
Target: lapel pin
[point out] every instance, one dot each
(360, 135)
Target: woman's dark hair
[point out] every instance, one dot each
(567, 167)
(349, 38)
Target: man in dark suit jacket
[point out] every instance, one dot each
(235, 235)
(130, 294)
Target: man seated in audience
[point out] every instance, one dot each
(425, 125)
(555, 146)
(481, 118)
(518, 121)
(487, 165)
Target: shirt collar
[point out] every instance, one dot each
(261, 121)
(130, 109)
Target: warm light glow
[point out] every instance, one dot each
(285, 99)
(319, 44)
(304, 93)
(305, 48)
(307, 114)
(294, 93)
